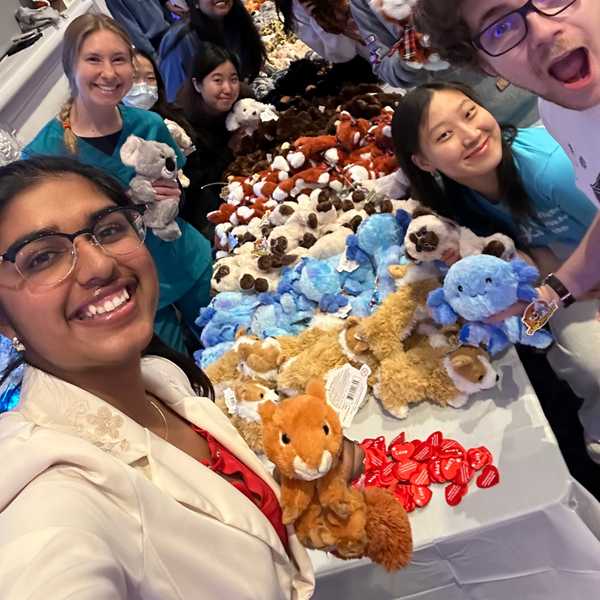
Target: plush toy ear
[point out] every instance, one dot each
(397, 271)
(240, 333)
(462, 360)
(266, 411)
(422, 212)
(316, 388)
(130, 150)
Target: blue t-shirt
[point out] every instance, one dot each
(185, 265)
(562, 212)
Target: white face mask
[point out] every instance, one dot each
(141, 95)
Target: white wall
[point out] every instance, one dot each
(32, 83)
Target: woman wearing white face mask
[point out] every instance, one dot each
(144, 91)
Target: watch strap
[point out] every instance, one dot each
(552, 281)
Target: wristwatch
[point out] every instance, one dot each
(565, 296)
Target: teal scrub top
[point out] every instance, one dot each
(185, 265)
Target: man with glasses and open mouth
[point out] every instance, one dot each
(551, 47)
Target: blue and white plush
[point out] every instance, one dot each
(378, 243)
(10, 389)
(477, 287)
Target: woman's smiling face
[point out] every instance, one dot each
(102, 314)
(103, 71)
(458, 137)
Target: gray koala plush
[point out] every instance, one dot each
(151, 161)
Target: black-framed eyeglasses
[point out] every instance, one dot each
(47, 258)
(509, 31)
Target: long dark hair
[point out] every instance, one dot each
(17, 177)
(208, 58)
(285, 11)
(445, 198)
(237, 22)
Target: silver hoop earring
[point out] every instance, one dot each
(17, 345)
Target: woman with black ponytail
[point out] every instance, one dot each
(225, 23)
(120, 477)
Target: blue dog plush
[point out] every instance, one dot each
(477, 287)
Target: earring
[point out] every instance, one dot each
(17, 345)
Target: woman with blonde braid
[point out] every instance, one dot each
(92, 127)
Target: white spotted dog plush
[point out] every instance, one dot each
(151, 161)
(430, 236)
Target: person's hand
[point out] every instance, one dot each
(166, 189)
(516, 310)
(352, 458)
(450, 256)
(176, 9)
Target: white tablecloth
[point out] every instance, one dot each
(534, 536)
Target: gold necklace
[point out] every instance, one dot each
(164, 419)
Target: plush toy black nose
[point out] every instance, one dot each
(170, 164)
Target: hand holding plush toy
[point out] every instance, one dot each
(152, 161)
(478, 287)
(303, 437)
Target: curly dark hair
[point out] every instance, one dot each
(449, 35)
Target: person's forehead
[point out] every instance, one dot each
(104, 41)
(62, 204)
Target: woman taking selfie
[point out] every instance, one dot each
(93, 125)
(121, 478)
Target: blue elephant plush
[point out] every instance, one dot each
(477, 287)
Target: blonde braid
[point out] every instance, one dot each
(64, 116)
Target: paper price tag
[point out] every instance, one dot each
(344, 312)
(346, 391)
(346, 265)
(230, 401)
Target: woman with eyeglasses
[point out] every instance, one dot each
(121, 479)
(93, 125)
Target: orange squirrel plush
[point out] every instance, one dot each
(303, 437)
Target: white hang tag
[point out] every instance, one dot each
(346, 391)
(230, 401)
(344, 312)
(346, 265)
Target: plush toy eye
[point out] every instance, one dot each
(460, 288)
(284, 439)
(326, 429)
(488, 280)
(261, 396)
(480, 378)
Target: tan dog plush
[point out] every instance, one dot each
(240, 401)
(432, 369)
(303, 438)
(332, 349)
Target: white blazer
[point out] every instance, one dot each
(93, 506)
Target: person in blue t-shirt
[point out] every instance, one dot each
(465, 166)
(93, 125)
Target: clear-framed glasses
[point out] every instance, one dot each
(46, 258)
(509, 31)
